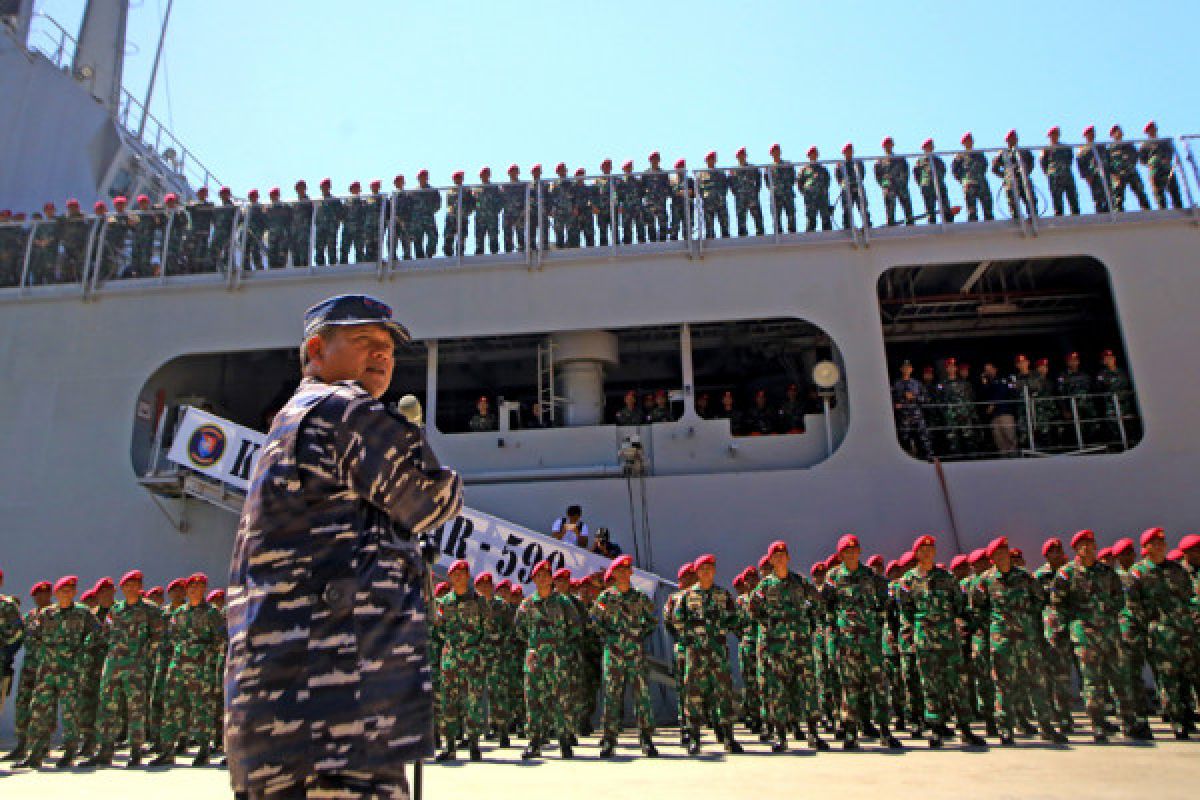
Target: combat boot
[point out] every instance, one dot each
(449, 754)
(731, 744)
(533, 749)
(684, 737)
(780, 743)
(202, 755)
(1048, 734)
(31, 761)
(19, 752)
(88, 746)
(694, 742)
(67, 759)
(607, 746)
(166, 758)
(889, 741)
(869, 731)
(1139, 732)
(564, 747)
(1006, 737)
(969, 737)
(942, 730)
(850, 737)
(814, 739)
(504, 740)
(135, 757)
(473, 749)
(990, 728)
(648, 748)
(103, 758)
(764, 734)
(935, 740)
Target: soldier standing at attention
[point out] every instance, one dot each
(135, 629)
(849, 173)
(222, 217)
(147, 224)
(656, 187)
(908, 396)
(425, 203)
(12, 633)
(933, 604)
(73, 230)
(624, 617)
(460, 203)
(1088, 597)
(300, 232)
(397, 210)
(484, 420)
(704, 617)
(330, 215)
(855, 599)
(713, 185)
(463, 621)
(970, 169)
(814, 185)
(1159, 157)
(629, 205)
(560, 196)
(1116, 393)
(348, 703)
(1014, 166)
(487, 213)
(1056, 163)
(514, 200)
(891, 173)
(1074, 387)
(176, 597)
(603, 201)
(687, 579)
(781, 179)
(66, 630)
(683, 192)
(582, 229)
(548, 624)
(43, 595)
(746, 182)
(747, 635)
(1092, 159)
(1122, 171)
(630, 414)
(352, 229)
(199, 232)
(279, 230)
(105, 593)
(1059, 656)
(930, 172)
(499, 630)
(256, 229)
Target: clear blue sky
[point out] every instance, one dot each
(267, 91)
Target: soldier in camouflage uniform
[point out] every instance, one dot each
(279, 230)
(1116, 393)
(781, 181)
(460, 204)
(933, 604)
(398, 210)
(785, 605)
(970, 169)
(583, 663)
(746, 183)
(513, 654)
(43, 595)
(44, 254)
(436, 644)
(583, 201)
(330, 213)
(65, 630)
(1059, 658)
(345, 706)
(855, 599)
(197, 628)
(355, 220)
(603, 201)
(904, 674)
(198, 234)
(300, 229)
(908, 398)
(1076, 385)
(1045, 426)
(549, 625)
(624, 617)
(984, 687)
(1122, 171)
(425, 203)
(962, 416)
(747, 635)
(687, 579)
(222, 230)
(175, 242)
(1159, 157)
(105, 593)
(1160, 597)
(930, 174)
(256, 232)
(850, 174)
(704, 616)
(161, 662)
(1088, 596)
(826, 673)
(630, 193)
(1009, 601)
(560, 203)
(488, 203)
(683, 196)
(148, 225)
(713, 186)
(72, 230)
(1092, 159)
(1135, 635)
(134, 631)
(464, 623)
(514, 198)
(11, 242)
(115, 246)
(656, 190)
(499, 632)
(1014, 166)
(1056, 162)
(891, 173)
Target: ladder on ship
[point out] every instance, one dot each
(547, 383)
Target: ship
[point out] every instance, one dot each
(101, 368)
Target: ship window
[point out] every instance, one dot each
(1008, 359)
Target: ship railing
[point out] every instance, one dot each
(50, 39)
(1041, 425)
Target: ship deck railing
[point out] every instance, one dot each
(104, 254)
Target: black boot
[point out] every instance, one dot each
(88, 747)
(504, 740)
(731, 744)
(533, 750)
(990, 728)
(202, 756)
(969, 737)
(67, 760)
(473, 749)
(607, 746)
(849, 737)
(31, 761)
(18, 753)
(1139, 732)
(135, 757)
(449, 754)
(869, 731)
(780, 743)
(764, 735)
(648, 748)
(103, 758)
(1048, 734)
(814, 739)
(942, 730)
(1006, 737)
(564, 747)
(694, 742)
(935, 739)
(889, 741)
(684, 737)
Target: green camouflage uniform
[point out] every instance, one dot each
(1092, 160)
(279, 232)
(353, 224)
(1123, 173)
(746, 183)
(43, 257)
(932, 183)
(73, 231)
(591, 667)
(785, 609)
(34, 654)
(157, 667)
(149, 225)
(198, 237)
(1160, 598)
(624, 620)
(195, 632)
(935, 606)
(300, 231)
(1116, 394)
(495, 662)
(66, 637)
(512, 655)
(488, 203)
(962, 417)
(713, 185)
(753, 701)
(849, 173)
(452, 237)
(1014, 166)
(223, 216)
(1059, 659)
(1077, 385)
(904, 670)
(678, 651)
(425, 203)
(1056, 163)
(657, 187)
(549, 626)
(1159, 158)
(331, 212)
(814, 185)
(465, 624)
(855, 601)
(134, 631)
(256, 236)
(89, 702)
(12, 633)
(781, 180)
(704, 617)
(891, 173)
(983, 695)
(970, 169)
(581, 228)
(632, 214)
(513, 201)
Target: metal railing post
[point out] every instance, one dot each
(1030, 199)
(89, 253)
(97, 257)
(1096, 152)
(1191, 157)
(1120, 421)
(689, 213)
(847, 212)
(612, 214)
(775, 220)
(237, 241)
(312, 234)
(541, 223)
(937, 191)
(458, 226)
(698, 216)
(1177, 168)
(1029, 417)
(166, 247)
(387, 236)
(1075, 419)
(864, 222)
(526, 223)
(28, 257)
(1009, 186)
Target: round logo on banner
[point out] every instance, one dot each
(206, 446)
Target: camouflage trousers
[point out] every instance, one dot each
(300, 241)
(546, 691)
(934, 201)
(680, 654)
(123, 697)
(487, 227)
(1174, 656)
(975, 197)
(786, 675)
(1099, 195)
(657, 225)
(864, 686)
(512, 688)
(816, 204)
(914, 435)
(748, 206)
(499, 697)
(625, 666)
(1018, 194)
(706, 680)
(1133, 655)
(785, 206)
(890, 198)
(1120, 181)
(400, 242)
(514, 232)
(984, 699)
(278, 248)
(911, 689)
(752, 700)
(604, 227)
(424, 237)
(352, 241)
(680, 224)
(940, 670)
(452, 237)
(1059, 661)
(187, 704)
(327, 240)
(716, 212)
(23, 705)
(1017, 675)
(255, 256)
(591, 680)
(54, 689)
(1164, 184)
(852, 198)
(157, 677)
(89, 701)
(827, 674)
(462, 686)
(633, 223)
(1064, 186)
(1098, 653)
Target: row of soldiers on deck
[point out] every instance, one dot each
(863, 649)
(959, 415)
(144, 670)
(650, 206)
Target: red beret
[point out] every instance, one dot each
(706, 560)
(562, 574)
(685, 570)
(741, 151)
(812, 151)
(252, 195)
(41, 586)
(764, 563)
(887, 141)
(996, 544)
(197, 578)
(834, 560)
(171, 198)
(1054, 131)
(848, 540)
(711, 154)
(66, 580)
(1151, 125)
(274, 191)
(178, 583)
(966, 136)
(104, 583)
(580, 172)
(1043, 362)
(1114, 130)
(653, 155)
(739, 580)
(1107, 552)
(1050, 544)
(1175, 555)
(325, 183)
(891, 565)
(215, 594)
(485, 171)
(1073, 355)
(875, 561)
(120, 200)
(536, 168)
(72, 203)
(224, 191)
(560, 167)
(483, 577)
(422, 173)
(1082, 536)
(847, 147)
(90, 594)
(680, 163)
(818, 568)
(458, 175)
(1121, 545)
(99, 207)
(976, 556)
(777, 546)
(1151, 534)
(628, 164)
(513, 168)
(301, 184)
(622, 561)
(775, 148)
(152, 591)
(927, 144)
(1016, 552)
(905, 560)
(141, 198)
(1090, 130)
(202, 191)
(959, 560)
(503, 585)
(1188, 542)
(441, 589)
(356, 186)
(518, 590)
(460, 564)
(923, 540)
(1012, 134)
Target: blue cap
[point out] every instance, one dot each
(353, 309)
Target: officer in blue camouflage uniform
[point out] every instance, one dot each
(849, 173)
(1013, 166)
(930, 173)
(814, 185)
(656, 188)
(327, 681)
(1159, 157)
(908, 395)
(746, 182)
(331, 213)
(781, 180)
(970, 169)
(891, 173)
(713, 186)
(1056, 162)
